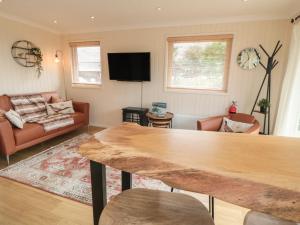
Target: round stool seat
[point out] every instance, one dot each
(152, 207)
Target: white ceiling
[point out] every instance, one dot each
(74, 15)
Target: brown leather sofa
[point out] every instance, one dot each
(13, 139)
(215, 123)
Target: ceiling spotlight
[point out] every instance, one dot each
(92, 17)
(1, 1)
(158, 8)
(55, 21)
(245, 0)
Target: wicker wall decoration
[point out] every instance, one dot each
(26, 54)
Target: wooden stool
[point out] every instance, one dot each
(152, 207)
(257, 218)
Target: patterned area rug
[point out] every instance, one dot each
(62, 171)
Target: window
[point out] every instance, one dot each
(86, 63)
(199, 62)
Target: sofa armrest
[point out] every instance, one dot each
(7, 140)
(210, 124)
(255, 128)
(83, 108)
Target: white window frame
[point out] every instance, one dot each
(74, 46)
(198, 38)
(298, 126)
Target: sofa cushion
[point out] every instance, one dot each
(48, 96)
(29, 132)
(78, 117)
(60, 107)
(15, 118)
(33, 131)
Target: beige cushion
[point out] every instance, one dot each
(60, 107)
(15, 118)
(234, 126)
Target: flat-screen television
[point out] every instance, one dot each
(129, 66)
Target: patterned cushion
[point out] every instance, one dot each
(233, 126)
(15, 118)
(60, 107)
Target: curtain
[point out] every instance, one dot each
(288, 117)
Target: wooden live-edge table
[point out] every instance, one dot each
(261, 173)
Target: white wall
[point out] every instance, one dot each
(15, 79)
(107, 101)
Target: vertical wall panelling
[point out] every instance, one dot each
(17, 79)
(107, 101)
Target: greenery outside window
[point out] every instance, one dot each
(86, 58)
(199, 62)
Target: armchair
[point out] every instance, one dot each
(215, 123)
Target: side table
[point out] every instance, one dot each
(163, 122)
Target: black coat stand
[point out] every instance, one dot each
(271, 64)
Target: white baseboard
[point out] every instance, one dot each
(99, 125)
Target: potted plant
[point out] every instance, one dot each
(264, 104)
(39, 59)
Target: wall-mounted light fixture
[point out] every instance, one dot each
(57, 58)
(295, 19)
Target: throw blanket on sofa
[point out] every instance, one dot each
(32, 108)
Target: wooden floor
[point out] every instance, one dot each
(23, 205)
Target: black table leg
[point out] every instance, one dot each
(98, 179)
(212, 206)
(126, 181)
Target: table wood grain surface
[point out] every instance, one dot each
(261, 173)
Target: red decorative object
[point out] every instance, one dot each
(233, 108)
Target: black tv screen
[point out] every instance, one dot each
(129, 66)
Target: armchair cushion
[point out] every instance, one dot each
(234, 126)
